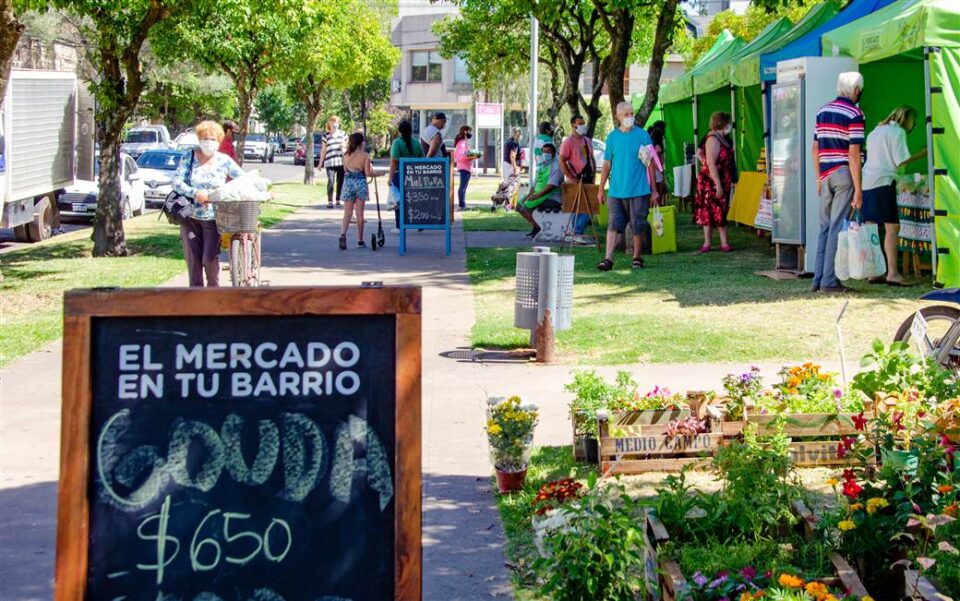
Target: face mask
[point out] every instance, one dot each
(209, 147)
(627, 121)
(469, 136)
(727, 130)
(582, 130)
(546, 158)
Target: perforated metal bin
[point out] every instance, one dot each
(544, 280)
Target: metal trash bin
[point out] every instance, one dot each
(544, 280)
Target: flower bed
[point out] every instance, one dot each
(818, 439)
(665, 580)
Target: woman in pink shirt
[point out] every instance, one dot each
(464, 161)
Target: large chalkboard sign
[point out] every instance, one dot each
(424, 197)
(241, 445)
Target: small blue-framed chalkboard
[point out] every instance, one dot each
(424, 198)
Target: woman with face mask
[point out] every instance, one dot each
(200, 172)
(887, 151)
(715, 181)
(464, 160)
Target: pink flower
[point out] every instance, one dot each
(749, 572)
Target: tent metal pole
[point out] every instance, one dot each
(931, 180)
(766, 130)
(696, 138)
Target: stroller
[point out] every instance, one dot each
(506, 194)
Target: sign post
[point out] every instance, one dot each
(490, 116)
(237, 444)
(424, 192)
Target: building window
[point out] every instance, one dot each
(460, 74)
(427, 66)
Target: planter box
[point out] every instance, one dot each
(624, 423)
(665, 582)
(630, 446)
(815, 435)
(916, 586)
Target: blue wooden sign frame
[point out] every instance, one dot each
(404, 226)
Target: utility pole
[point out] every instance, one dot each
(532, 119)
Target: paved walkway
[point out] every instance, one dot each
(463, 540)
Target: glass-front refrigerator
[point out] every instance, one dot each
(788, 162)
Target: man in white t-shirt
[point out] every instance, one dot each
(431, 138)
(886, 152)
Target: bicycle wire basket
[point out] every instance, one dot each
(237, 216)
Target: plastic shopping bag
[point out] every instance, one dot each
(842, 260)
(393, 199)
(865, 257)
(657, 221)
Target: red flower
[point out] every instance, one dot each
(841, 450)
(849, 475)
(860, 422)
(898, 420)
(851, 489)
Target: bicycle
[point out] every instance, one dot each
(239, 223)
(939, 327)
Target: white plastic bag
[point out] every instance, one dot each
(842, 260)
(393, 198)
(249, 186)
(865, 257)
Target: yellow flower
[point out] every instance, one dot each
(856, 507)
(846, 525)
(829, 598)
(876, 503)
(746, 597)
(790, 581)
(832, 482)
(494, 429)
(866, 598)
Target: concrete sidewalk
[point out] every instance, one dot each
(463, 540)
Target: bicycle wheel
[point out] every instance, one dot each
(236, 262)
(940, 318)
(255, 260)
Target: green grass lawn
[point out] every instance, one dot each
(687, 307)
(35, 278)
(485, 220)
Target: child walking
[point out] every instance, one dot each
(357, 167)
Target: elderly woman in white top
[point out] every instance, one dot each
(886, 152)
(202, 171)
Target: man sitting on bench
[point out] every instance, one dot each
(547, 190)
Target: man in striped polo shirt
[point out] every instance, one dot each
(837, 143)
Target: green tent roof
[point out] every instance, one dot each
(717, 75)
(682, 87)
(899, 28)
(746, 71)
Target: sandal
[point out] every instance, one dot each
(726, 248)
(605, 265)
(705, 248)
(329, 205)
(878, 280)
(343, 242)
(361, 244)
(637, 263)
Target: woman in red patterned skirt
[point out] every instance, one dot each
(715, 181)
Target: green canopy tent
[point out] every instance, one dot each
(714, 82)
(909, 53)
(680, 109)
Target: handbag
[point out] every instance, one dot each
(657, 220)
(176, 207)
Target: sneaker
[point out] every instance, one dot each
(361, 244)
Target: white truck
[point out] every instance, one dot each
(38, 150)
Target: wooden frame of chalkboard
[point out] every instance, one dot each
(85, 314)
(425, 207)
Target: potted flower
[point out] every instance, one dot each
(510, 425)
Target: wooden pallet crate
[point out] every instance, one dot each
(629, 446)
(664, 581)
(815, 436)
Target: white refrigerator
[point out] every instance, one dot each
(803, 86)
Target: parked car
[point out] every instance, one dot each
(291, 143)
(259, 147)
(141, 139)
(157, 169)
(187, 141)
(598, 149)
(300, 154)
(79, 201)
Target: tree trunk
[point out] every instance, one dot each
(308, 172)
(615, 65)
(10, 30)
(663, 39)
(592, 109)
(245, 105)
(108, 235)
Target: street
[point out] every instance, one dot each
(281, 170)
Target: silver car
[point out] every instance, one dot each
(157, 170)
